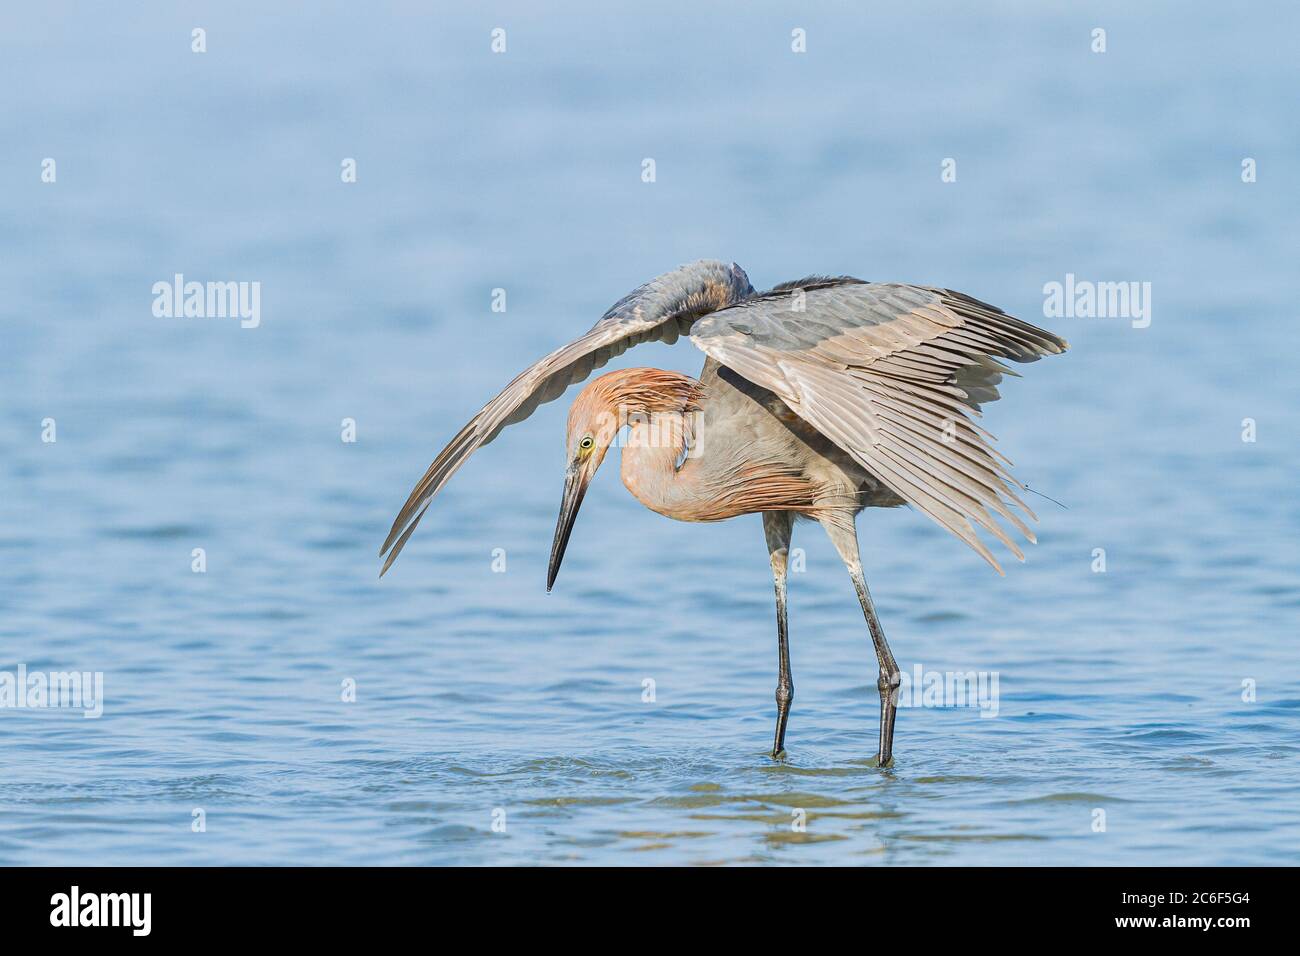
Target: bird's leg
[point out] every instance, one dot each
(776, 528)
(844, 536)
(889, 679)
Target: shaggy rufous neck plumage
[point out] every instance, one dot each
(654, 405)
(659, 409)
(632, 392)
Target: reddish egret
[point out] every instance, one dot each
(819, 398)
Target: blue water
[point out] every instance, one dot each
(476, 692)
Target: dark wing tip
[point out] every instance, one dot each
(401, 542)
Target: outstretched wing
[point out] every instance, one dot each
(658, 311)
(890, 373)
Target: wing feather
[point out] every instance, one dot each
(893, 374)
(542, 382)
(656, 311)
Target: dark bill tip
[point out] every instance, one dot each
(574, 489)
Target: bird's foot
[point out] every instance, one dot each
(778, 755)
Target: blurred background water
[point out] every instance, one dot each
(1120, 691)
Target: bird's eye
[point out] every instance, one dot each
(586, 443)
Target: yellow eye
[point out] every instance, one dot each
(586, 443)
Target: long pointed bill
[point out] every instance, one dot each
(575, 486)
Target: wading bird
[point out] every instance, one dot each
(819, 398)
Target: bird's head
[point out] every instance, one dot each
(597, 416)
